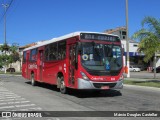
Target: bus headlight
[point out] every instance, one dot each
(84, 76)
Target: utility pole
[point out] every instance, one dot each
(155, 58)
(5, 9)
(5, 41)
(127, 40)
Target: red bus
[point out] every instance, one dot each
(79, 60)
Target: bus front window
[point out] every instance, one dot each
(101, 57)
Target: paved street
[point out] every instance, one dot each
(16, 93)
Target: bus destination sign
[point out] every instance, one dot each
(94, 36)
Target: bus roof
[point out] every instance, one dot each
(62, 38)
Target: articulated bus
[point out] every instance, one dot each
(79, 60)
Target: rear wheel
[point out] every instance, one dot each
(33, 82)
(63, 88)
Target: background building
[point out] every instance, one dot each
(136, 58)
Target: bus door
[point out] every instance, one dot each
(72, 54)
(40, 62)
(27, 64)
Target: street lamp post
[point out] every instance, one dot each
(5, 41)
(155, 57)
(127, 40)
(5, 9)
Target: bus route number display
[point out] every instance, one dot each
(94, 36)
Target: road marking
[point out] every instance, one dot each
(13, 102)
(26, 105)
(7, 93)
(18, 102)
(3, 90)
(10, 95)
(4, 107)
(29, 109)
(12, 99)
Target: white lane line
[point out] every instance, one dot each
(25, 105)
(38, 108)
(3, 90)
(29, 109)
(13, 102)
(6, 96)
(4, 107)
(17, 106)
(18, 102)
(7, 93)
(18, 99)
(10, 97)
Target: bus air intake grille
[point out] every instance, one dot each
(99, 85)
(103, 73)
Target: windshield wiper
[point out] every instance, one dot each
(118, 64)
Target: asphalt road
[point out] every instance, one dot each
(17, 94)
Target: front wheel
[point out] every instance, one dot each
(63, 88)
(33, 82)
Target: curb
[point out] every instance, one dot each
(142, 87)
(10, 75)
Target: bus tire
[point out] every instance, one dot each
(33, 82)
(63, 88)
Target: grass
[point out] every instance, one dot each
(150, 83)
(13, 73)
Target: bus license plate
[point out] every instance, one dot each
(105, 87)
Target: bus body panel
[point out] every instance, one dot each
(48, 71)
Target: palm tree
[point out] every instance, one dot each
(149, 37)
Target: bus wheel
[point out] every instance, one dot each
(63, 88)
(33, 82)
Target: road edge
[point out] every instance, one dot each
(142, 87)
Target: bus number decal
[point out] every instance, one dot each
(65, 68)
(113, 79)
(32, 66)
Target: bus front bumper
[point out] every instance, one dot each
(85, 84)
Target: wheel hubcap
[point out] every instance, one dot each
(62, 85)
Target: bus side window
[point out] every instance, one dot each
(33, 55)
(47, 52)
(24, 57)
(61, 50)
(53, 51)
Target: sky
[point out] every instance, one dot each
(29, 21)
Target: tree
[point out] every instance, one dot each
(9, 54)
(149, 37)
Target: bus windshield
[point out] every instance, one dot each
(101, 57)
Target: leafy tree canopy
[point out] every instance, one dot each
(149, 37)
(8, 54)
